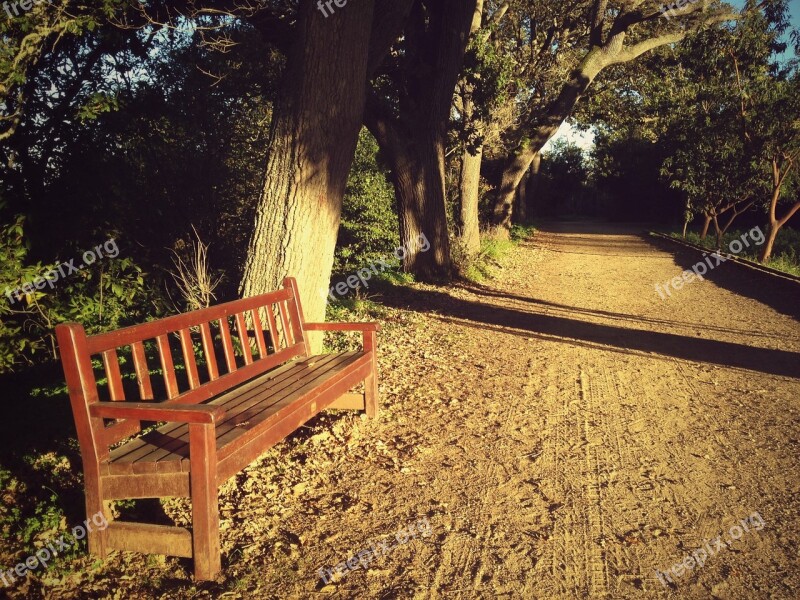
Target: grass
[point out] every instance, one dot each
(785, 252)
(495, 245)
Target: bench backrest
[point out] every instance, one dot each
(217, 348)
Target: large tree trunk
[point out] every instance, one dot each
(313, 136)
(469, 196)
(414, 142)
(470, 175)
(418, 175)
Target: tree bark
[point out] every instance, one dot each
(414, 141)
(470, 176)
(520, 206)
(706, 223)
(469, 196)
(774, 225)
(312, 141)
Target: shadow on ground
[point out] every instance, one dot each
(781, 294)
(625, 339)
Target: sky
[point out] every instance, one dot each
(585, 139)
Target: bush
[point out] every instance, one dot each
(105, 296)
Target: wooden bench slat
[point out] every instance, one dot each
(142, 371)
(241, 327)
(189, 360)
(227, 344)
(287, 331)
(114, 376)
(259, 331)
(167, 366)
(208, 350)
(273, 329)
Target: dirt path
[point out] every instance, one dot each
(564, 432)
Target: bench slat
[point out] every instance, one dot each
(259, 331)
(167, 366)
(142, 371)
(208, 350)
(227, 344)
(111, 365)
(189, 359)
(273, 329)
(287, 332)
(241, 327)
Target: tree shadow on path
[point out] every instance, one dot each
(560, 328)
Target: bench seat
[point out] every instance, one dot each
(254, 409)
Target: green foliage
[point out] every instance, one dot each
(489, 73)
(786, 251)
(369, 227)
(102, 296)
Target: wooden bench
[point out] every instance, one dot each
(220, 413)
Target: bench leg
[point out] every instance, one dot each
(96, 538)
(205, 503)
(371, 382)
(371, 394)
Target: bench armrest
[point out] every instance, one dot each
(342, 326)
(147, 411)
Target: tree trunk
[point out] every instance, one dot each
(520, 206)
(414, 141)
(532, 184)
(312, 141)
(469, 188)
(778, 177)
(706, 223)
(418, 176)
(470, 175)
(769, 242)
